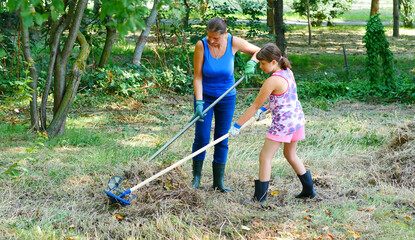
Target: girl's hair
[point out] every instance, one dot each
(271, 52)
(217, 25)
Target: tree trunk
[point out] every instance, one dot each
(112, 36)
(55, 127)
(279, 26)
(187, 15)
(270, 16)
(58, 123)
(309, 22)
(34, 74)
(139, 48)
(396, 18)
(374, 7)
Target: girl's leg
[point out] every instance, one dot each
(290, 153)
(265, 158)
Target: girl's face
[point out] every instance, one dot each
(215, 39)
(268, 66)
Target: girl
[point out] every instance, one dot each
(287, 121)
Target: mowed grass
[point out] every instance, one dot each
(57, 188)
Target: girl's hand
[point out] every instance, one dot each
(234, 131)
(260, 114)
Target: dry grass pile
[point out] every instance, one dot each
(395, 163)
(168, 193)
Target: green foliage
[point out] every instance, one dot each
(408, 12)
(128, 14)
(321, 10)
(255, 10)
(377, 49)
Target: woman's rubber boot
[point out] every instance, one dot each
(261, 189)
(218, 172)
(197, 173)
(308, 189)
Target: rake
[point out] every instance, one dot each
(124, 197)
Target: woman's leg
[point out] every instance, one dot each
(290, 153)
(265, 158)
(223, 111)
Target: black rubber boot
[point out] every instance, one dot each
(218, 172)
(197, 173)
(261, 189)
(308, 189)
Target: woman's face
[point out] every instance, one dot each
(215, 39)
(268, 66)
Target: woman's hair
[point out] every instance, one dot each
(217, 25)
(271, 52)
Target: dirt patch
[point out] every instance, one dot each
(395, 163)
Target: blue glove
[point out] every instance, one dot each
(199, 110)
(250, 68)
(234, 131)
(260, 114)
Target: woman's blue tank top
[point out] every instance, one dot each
(218, 73)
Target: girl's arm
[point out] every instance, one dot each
(198, 65)
(273, 83)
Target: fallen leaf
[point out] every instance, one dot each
(274, 193)
(329, 236)
(245, 228)
(119, 217)
(408, 217)
(355, 234)
(72, 226)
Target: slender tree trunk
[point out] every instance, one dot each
(396, 18)
(55, 127)
(34, 74)
(374, 7)
(58, 123)
(139, 48)
(279, 26)
(270, 16)
(187, 15)
(112, 36)
(309, 22)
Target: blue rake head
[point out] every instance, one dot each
(119, 195)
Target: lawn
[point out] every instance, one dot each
(54, 189)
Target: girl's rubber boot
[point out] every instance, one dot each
(218, 172)
(197, 173)
(308, 189)
(261, 189)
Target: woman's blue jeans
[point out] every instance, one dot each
(223, 112)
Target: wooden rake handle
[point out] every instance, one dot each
(166, 170)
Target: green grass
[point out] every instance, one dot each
(59, 189)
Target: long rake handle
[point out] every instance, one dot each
(186, 158)
(194, 120)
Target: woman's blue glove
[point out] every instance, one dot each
(199, 110)
(260, 114)
(250, 68)
(234, 131)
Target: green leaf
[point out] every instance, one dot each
(38, 18)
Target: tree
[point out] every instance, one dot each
(279, 26)
(374, 7)
(396, 18)
(322, 10)
(139, 48)
(65, 28)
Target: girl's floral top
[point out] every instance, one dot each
(287, 112)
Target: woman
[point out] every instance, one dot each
(213, 74)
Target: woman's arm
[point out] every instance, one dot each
(271, 84)
(197, 75)
(239, 44)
